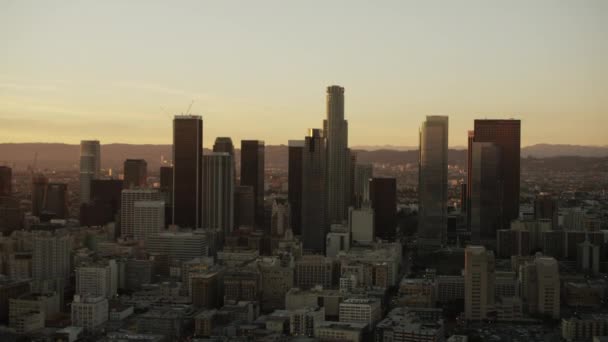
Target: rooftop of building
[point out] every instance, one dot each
(350, 326)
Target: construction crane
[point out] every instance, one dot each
(189, 107)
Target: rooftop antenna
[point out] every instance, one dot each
(189, 107)
(165, 111)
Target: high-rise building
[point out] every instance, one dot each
(187, 170)
(104, 204)
(148, 219)
(383, 195)
(127, 207)
(218, 199)
(166, 191)
(540, 286)
(39, 187)
(252, 174)
(506, 135)
(295, 150)
(90, 167)
(485, 200)
(135, 173)
(6, 181)
(244, 206)
(51, 256)
(545, 207)
(314, 195)
(179, 245)
(335, 129)
(433, 183)
(89, 312)
(363, 174)
(479, 281)
(56, 202)
(224, 144)
(97, 279)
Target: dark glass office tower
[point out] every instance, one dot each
(56, 203)
(244, 202)
(545, 208)
(135, 173)
(187, 170)
(506, 135)
(383, 195)
(166, 191)
(252, 174)
(486, 192)
(314, 192)
(6, 177)
(224, 144)
(104, 204)
(433, 184)
(218, 199)
(296, 148)
(39, 184)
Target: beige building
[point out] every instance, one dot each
(89, 312)
(303, 321)
(47, 304)
(361, 310)
(344, 332)
(478, 282)
(540, 286)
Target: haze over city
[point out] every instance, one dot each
(71, 70)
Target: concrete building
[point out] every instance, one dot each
(10, 289)
(478, 282)
(302, 322)
(90, 167)
(50, 256)
(540, 286)
(296, 298)
(89, 312)
(346, 332)
(433, 184)
(588, 257)
(361, 310)
(363, 174)
(47, 305)
(361, 223)
(99, 279)
(179, 245)
(411, 325)
(338, 240)
(584, 327)
(314, 270)
(276, 280)
(148, 219)
(127, 207)
(205, 290)
(449, 288)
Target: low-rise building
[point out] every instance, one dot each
(89, 312)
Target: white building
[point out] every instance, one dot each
(89, 312)
(148, 219)
(361, 224)
(97, 279)
(127, 207)
(478, 282)
(540, 286)
(361, 310)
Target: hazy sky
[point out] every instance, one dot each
(72, 70)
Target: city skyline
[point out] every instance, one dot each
(399, 63)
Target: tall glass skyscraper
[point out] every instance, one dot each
(486, 192)
(187, 170)
(296, 148)
(335, 129)
(218, 199)
(433, 183)
(252, 174)
(314, 195)
(90, 167)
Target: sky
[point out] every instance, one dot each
(118, 71)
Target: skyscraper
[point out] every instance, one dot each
(383, 195)
(252, 174)
(314, 195)
(39, 187)
(244, 206)
(135, 173)
(335, 129)
(224, 144)
(166, 191)
(56, 202)
(218, 199)
(51, 256)
(363, 174)
(296, 148)
(148, 219)
(479, 281)
(127, 207)
(506, 134)
(90, 167)
(433, 183)
(187, 170)
(485, 201)
(6, 179)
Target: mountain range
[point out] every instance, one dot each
(66, 156)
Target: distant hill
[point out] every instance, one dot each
(548, 150)
(65, 156)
